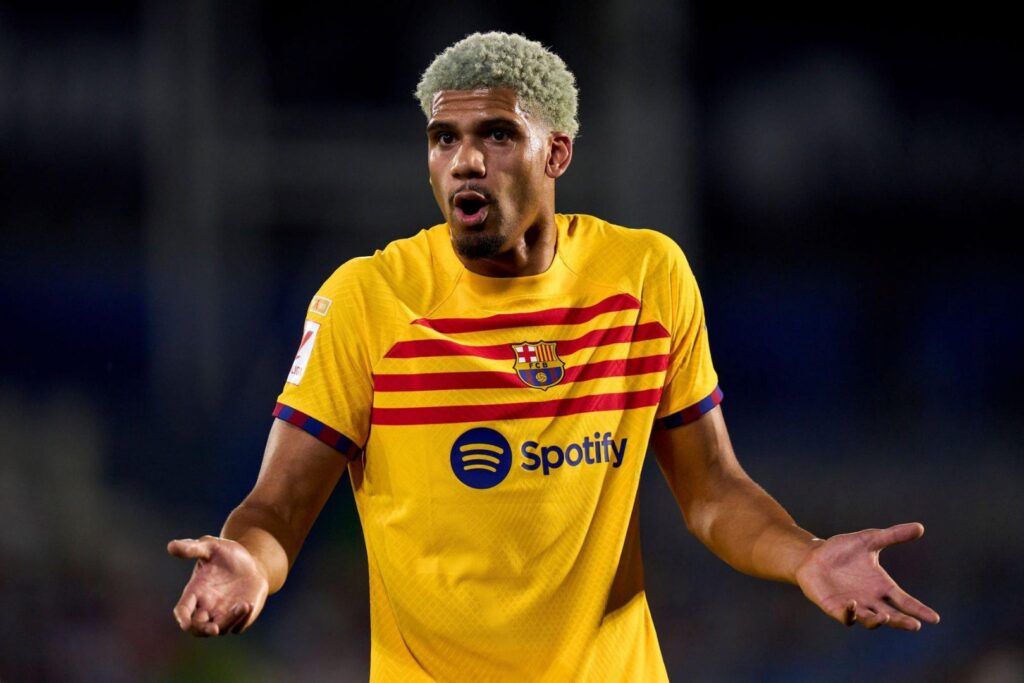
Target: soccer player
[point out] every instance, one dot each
(491, 385)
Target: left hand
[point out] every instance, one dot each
(843, 577)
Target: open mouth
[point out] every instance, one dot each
(470, 207)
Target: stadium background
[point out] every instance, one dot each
(178, 177)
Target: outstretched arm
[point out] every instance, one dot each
(738, 521)
(261, 538)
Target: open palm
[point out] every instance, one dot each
(227, 590)
(845, 579)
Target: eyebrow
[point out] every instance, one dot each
(438, 125)
(494, 121)
(500, 121)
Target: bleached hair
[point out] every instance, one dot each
(545, 86)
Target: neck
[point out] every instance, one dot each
(530, 254)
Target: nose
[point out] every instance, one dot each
(468, 162)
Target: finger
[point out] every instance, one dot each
(233, 618)
(245, 622)
(183, 611)
(226, 618)
(190, 549)
(903, 622)
(870, 619)
(845, 614)
(901, 533)
(208, 629)
(250, 617)
(203, 624)
(911, 606)
(894, 618)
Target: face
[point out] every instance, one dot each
(492, 168)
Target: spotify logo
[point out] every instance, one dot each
(481, 458)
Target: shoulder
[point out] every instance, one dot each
(621, 256)
(410, 269)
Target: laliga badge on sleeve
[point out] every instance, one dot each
(320, 305)
(302, 355)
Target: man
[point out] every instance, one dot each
(491, 385)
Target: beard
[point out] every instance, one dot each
(479, 245)
(485, 240)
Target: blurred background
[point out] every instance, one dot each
(179, 177)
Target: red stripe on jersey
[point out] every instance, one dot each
(617, 368)
(516, 411)
(436, 381)
(422, 348)
(550, 316)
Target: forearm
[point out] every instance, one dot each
(267, 537)
(296, 478)
(749, 530)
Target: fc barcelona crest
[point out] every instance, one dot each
(538, 364)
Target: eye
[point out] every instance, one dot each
(445, 138)
(499, 135)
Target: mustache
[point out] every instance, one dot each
(470, 187)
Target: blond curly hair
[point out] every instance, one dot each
(544, 84)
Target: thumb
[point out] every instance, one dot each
(900, 533)
(190, 549)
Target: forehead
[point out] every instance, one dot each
(482, 102)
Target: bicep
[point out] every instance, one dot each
(297, 476)
(697, 459)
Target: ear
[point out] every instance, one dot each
(559, 155)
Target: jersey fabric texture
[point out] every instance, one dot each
(497, 429)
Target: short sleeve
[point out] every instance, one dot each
(691, 383)
(329, 388)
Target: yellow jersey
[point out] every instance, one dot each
(496, 430)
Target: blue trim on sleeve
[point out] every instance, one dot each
(692, 413)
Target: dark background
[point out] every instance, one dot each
(179, 177)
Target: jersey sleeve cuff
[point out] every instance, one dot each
(329, 436)
(692, 413)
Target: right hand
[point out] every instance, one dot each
(844, 578)
(227, 590)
